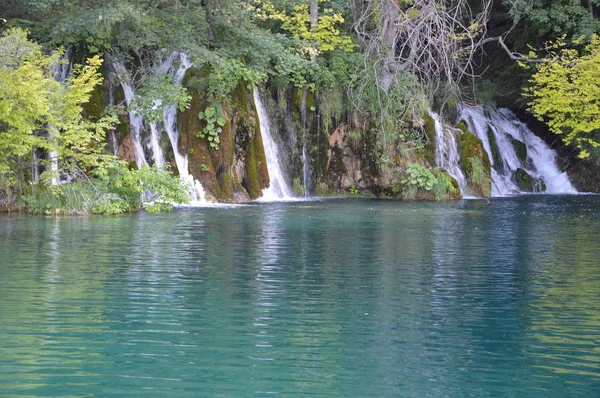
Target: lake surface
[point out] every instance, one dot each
(355, 298)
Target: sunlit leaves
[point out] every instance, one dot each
(565, 93)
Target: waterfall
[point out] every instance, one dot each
(168, 123)
(278, 188)
(306, 180)
(446, 151)
(515, 151)
(60, 73)
(135, 120)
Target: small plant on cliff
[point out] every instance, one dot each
(420, 176)
(214, 126)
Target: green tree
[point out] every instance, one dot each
(566, 95)
(31, 101)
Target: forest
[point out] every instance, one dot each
(85, 85)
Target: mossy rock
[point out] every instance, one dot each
(257, 174)
(200, 162)
(297, 94)
(475, 162)
(498, 163)
(429, 127)
(527, 183)
(524, 180)
(520, 150)
(225, 187)
(462, 126)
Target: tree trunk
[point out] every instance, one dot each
(388, 36)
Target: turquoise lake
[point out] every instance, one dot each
(353, 298)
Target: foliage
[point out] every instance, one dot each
(114, 189)
(322, 38)
(419, 181)
(32, 101)
(555, 18)
(478, 174)
(565, 94)
(223, 77)
(298, 187)
(214, 126)
(420, 177)
(156, 92)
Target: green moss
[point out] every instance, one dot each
(527, 183)
(498, 163)
(298, 187)
(476, 164)
(200, 165)
(430, 132)
(252, 181)
(94, 108)
(225, 187)
(520, 150)
(462, 126)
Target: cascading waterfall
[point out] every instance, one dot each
(278, 188)
(446, 152)
(135, 120)
(515, 152)
(306, 180)
(60, 72)
(168, 124)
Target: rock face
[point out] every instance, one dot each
(126, 150)
(236, 171)
(344, 164)
(348, 158)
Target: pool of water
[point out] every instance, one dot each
(356, 298)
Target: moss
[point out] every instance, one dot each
(520, 150)
(462, 126)
(251, 183)
(527, 183)
(523, 180)
(94, 108)
(225, 187)
(431, 144)
(476, 164)
(200, 163)
(498, 163)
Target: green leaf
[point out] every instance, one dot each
(221, 122)
(210, 112)
(201, 115)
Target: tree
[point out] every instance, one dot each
(31, 100)
(434, 40)
(566, 95)
(549, 19)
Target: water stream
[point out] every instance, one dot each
(176, 64)
(61, 72)
(508, 141)
(446, 152)
(279, 188)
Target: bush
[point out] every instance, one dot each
(113, 189)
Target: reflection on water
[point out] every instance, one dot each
(330, 298)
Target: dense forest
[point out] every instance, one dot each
(350, 82)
